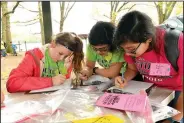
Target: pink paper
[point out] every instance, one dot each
(160, 69)
(128, 102)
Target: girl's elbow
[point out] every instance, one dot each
(10, 86)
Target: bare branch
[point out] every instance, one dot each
(30, 23)
(56, 21)
(106, 16)
(117, 3)
(83, 36)
(67, 8)
(36, 33)
(131, 7)
(155, 4)
(168, 12)
(112, 7)
(113, 3)
(122, 6)
(13, 10)
(145, 4)
(35, 19)
(95, 19)
(21, 6)
(67, 12)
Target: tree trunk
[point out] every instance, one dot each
(164, 10)
(62, 9)
(7, 32)
(47, 21)
(3, 22)
(113, 17)
(41, 23)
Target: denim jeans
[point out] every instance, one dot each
(3, 52)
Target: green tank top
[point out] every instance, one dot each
(52, 68)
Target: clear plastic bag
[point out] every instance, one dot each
(77, 105)
(62, 106)
(142, 117)
(155, 112)
(161, 112)
(45, 106)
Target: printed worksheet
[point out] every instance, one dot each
(127, 102)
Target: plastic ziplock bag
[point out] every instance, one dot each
(161, 112)
(62, 106)
(79, 105)
(19, 112)
(142, 117)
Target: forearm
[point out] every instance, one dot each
(130, 74)
(179, 107)
(107, 73)
(19, 84)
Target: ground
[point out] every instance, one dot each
(7, 64)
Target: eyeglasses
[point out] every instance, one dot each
(134, 51)
(103, 49)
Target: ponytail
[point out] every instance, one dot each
(78, 59)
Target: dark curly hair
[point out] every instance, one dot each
(102, 33)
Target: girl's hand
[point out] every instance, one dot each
(68, 61)
(58, 80)
(119, 82)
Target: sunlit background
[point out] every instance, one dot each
(80, 19)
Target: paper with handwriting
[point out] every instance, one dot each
(128, 102)
(159, 69)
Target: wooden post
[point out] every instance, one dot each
(25, 46)
(47, 23)
(19, 45)
(1, 21)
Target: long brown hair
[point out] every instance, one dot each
(73, 43)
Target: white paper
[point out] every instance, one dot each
(65, 85)
(134, 87)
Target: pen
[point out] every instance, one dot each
(122, 76)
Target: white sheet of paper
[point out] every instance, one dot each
(134, 86)
(65, 85)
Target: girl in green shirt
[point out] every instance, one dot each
(101, 50)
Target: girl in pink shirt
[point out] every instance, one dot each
(144, 47)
